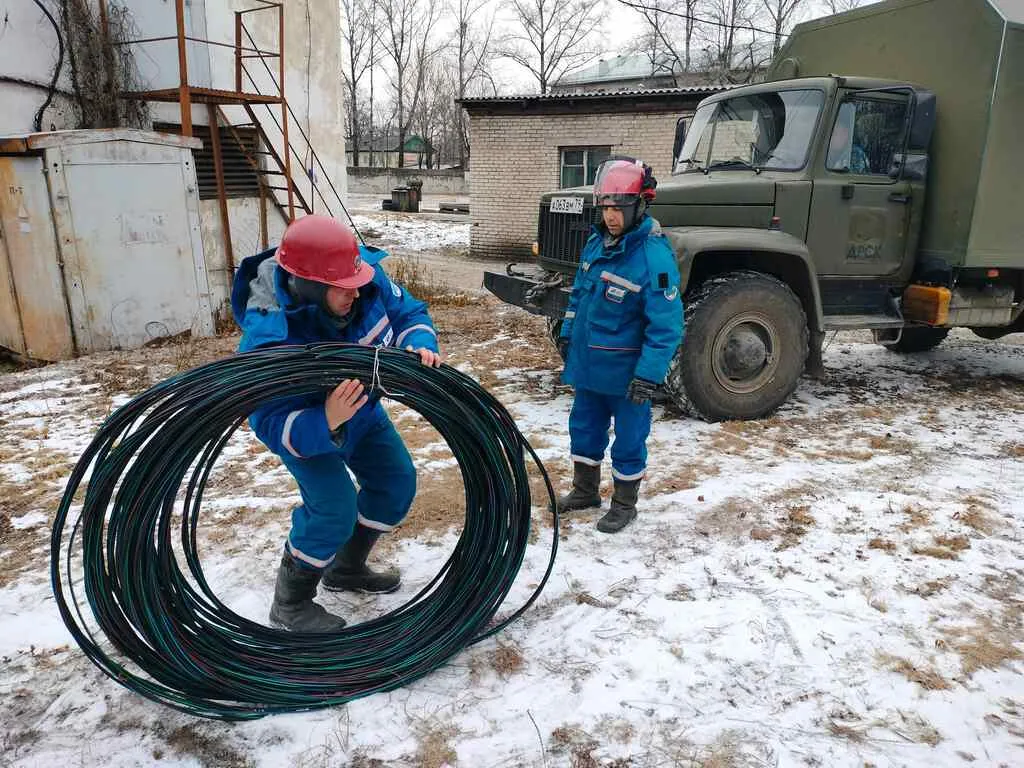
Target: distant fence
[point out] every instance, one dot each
(380, 181)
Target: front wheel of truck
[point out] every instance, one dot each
(744, 348)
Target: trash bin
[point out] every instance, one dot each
(400, 198)
(415, 195)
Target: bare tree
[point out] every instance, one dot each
(435, 117)
(782, 13)
(841, 6)
(552, 37)
(358, 20)
(732, 50)
(405, 36)
(670, 28)
(475, 48)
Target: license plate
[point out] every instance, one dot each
(567, 205)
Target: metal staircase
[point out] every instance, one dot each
(295, 182)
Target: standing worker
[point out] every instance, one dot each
(320, 285)
(622, 327)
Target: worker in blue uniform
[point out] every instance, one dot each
(622, 327)
(320, 285)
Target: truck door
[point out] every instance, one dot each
(859, 212)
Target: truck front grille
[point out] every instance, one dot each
(561, 237)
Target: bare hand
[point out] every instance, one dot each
(427, 356)
(343, 402)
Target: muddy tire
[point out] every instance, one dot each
(744, 348)
(918, 340)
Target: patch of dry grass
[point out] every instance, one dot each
(988, 644)
(939, 553)
(423, 283)
(193, 741)
(434, 744)
(883, 544)
(660, 481)
(957, 543)
(733, 518)
(977, 516)
(915, 517)
(932, 587)
(924, 676)
(507, 659)
(1012, 450)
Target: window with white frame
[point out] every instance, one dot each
(579, 164)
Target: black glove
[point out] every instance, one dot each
(641, 390)
(563, 347)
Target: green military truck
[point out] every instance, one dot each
(874, 180)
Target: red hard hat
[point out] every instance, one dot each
(323, 249)
(623, 182)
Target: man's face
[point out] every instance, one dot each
(614, 219)
(340, 300)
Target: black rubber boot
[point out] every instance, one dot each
(349, 571)
(293, 607)
(586, 479)
(623, 507)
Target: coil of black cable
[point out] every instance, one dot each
(158, 629)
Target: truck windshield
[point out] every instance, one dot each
(759, 131)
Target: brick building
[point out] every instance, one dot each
(523, 146)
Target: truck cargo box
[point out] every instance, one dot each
(970, 53)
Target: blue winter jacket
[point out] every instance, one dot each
(625, 315)
(386, 316)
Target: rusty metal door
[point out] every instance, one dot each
(33, 311)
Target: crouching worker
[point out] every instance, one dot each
(621, 329)
(321, 286)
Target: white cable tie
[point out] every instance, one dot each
(376, 372)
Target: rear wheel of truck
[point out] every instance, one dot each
(918, 340)
(744, 348)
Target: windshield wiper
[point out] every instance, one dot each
(735, 163)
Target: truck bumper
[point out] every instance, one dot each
(527, 293)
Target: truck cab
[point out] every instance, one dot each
(805, 205)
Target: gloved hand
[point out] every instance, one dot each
(641, 390)
(563, 347)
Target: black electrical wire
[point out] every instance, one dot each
(167, 635)
(38, 121)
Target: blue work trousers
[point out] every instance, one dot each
(331, 506)
(589, 420)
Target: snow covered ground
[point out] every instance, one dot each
(841, 584)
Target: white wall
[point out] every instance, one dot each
(28, 51)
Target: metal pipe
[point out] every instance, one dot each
(184, 97)
(238, 52)
(284, 116)
(222, 199)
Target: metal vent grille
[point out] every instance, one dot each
(240, 178)
(561, 237)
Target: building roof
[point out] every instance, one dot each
(692, 90)
(645, 100)
(632, 67)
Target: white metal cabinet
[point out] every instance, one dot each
(127, 248)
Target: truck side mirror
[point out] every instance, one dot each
(922, 122)
(680, 138)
